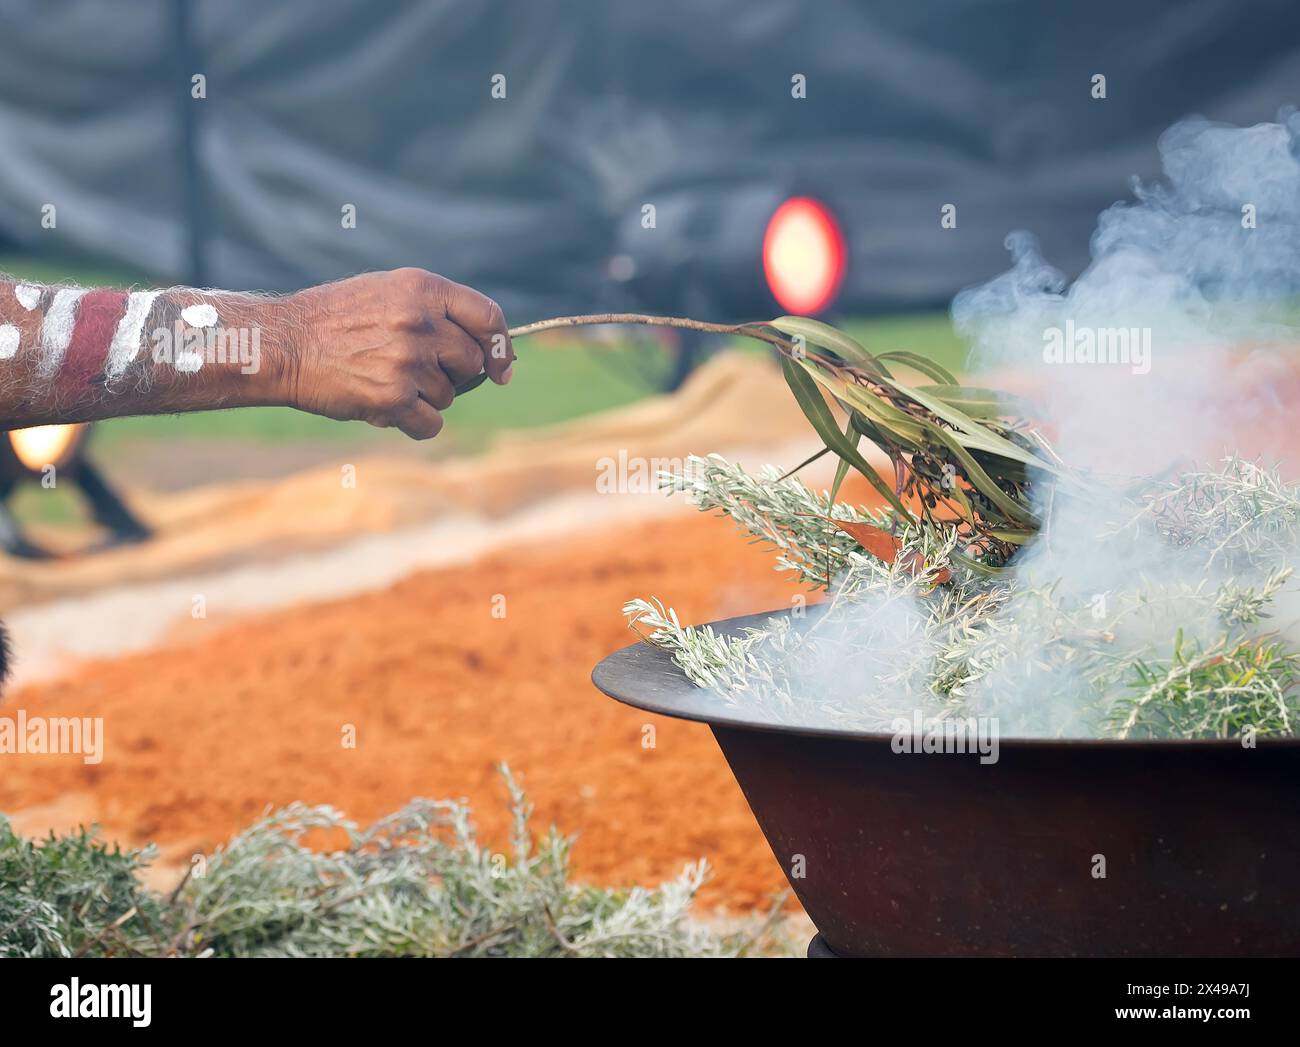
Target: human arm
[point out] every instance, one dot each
(387, 348)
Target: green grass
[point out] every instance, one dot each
(54, 505)
(87, 273)
(929, 334)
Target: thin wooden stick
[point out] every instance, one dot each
(622, 318)
(751, 330)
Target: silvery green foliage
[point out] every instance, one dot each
(782, 512)
(1156, 625)
(416, 883)
(709, 659)
(73, 895)
(419, 883)
(1243, 514)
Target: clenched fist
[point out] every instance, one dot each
(391, 348)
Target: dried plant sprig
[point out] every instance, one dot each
(417, 883)
(1040, 657)
(707, 657)
(1240, 512)
(1218, 691)
(778, 510)
(420, 882)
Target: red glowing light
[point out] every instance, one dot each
(803, 255)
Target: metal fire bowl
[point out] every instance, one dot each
(924, 855)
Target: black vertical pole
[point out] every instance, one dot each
(188, 112)
(691, 345)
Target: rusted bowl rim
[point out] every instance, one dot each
(645, 677)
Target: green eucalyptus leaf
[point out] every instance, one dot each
(970, 433)
(980, 403)
(920, 363)
(984, 483)
(814, 332)
(814, 407)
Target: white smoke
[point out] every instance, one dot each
(1205, 263)
(1205, 267)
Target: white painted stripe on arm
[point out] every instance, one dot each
(201, 314)
(126, 339)
(56, 331)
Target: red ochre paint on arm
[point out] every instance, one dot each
(98, 314)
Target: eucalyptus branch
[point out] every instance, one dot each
(956, 450)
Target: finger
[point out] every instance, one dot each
(420, 420)
(484, 321)
(459, 356)
(435, 387)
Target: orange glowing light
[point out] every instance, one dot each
(803, 255)
(43, 445)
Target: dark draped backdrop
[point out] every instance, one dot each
(538, 197)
